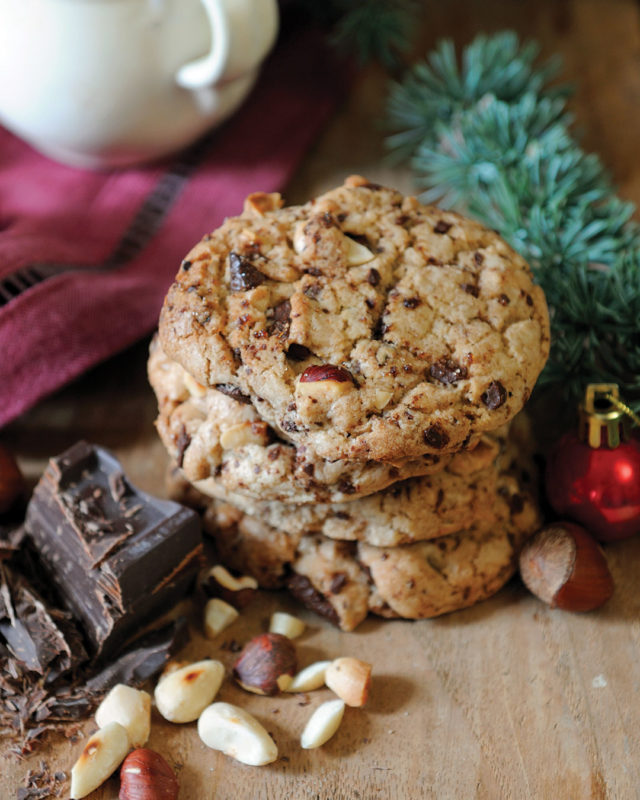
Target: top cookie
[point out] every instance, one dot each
(362, 324)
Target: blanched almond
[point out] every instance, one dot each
(100, 758)
(286, 624)
(357, 253)
(218, 615)
(228, 581)
(195, 389)
(310, 678)
(242, 434)
(182, 695)
(322, 724)
(233, 731)
(350, 679)
(131, 708)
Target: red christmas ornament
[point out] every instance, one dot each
(593, 476)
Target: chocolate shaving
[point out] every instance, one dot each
(41, 783)
(234, 392)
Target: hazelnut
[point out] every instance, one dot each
(183, 694)
(324, 382)
(286, 624)
(350, 679)
(564, 566)
(310, 678)
(145, 775)
(232, 730)
(218, 615)
(11, 480)
(267, 664)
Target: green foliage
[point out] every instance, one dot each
(491, 138)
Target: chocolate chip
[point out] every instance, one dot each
(435, 436)
(478, 258)
(411, 302)
(304, 591)
(503, 300)
(470, 288)
(369, 303)
(274, 452)
(243, 275)
(312, 290)
(234, 392)
(494, 396)
(342, 515)
(309, 469)
(516, 503)
(447, 371)
(184, 440)
(346, 487)
(529, 300)
(298, 352)
(373, 277)
(379, 329)
(327, 220)
(338, 582)
(281, 319)
(186, 266)
(442, 226)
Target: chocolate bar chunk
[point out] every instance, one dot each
(116, 556)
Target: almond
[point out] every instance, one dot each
(322, 724)
(131, 708)
(182, 695)
(101, 756)
(238, 592)
(286, 624)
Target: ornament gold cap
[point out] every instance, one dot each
(603, 420)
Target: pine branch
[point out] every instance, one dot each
(491, 138)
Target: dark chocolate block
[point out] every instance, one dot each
(116, 555)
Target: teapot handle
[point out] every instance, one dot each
(242, 33)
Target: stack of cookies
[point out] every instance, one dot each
(339, 380)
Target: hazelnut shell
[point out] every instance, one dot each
(566, 568)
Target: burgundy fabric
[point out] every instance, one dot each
(86, 257)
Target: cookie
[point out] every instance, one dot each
(459, 496)
(363, 324)
(344, 581)
(214, 436)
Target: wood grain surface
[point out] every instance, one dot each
(506, 700)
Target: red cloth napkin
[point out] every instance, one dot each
(86, 257)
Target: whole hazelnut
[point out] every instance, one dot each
(267, 664)
(564, 566)
(145, 775)
(11, 480)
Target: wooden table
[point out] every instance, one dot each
(505, 700)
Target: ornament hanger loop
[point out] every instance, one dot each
(624, 408)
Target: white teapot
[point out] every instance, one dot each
(107, 83)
